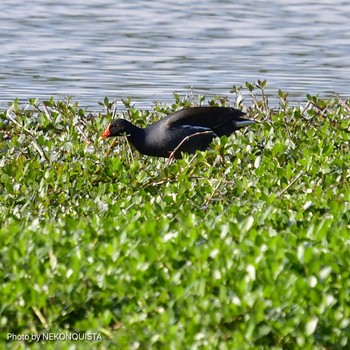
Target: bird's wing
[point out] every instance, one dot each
(201, 117)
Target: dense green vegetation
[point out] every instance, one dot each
(245, 246)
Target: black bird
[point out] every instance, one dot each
(186, 130)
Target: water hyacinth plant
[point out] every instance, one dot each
(244, 246)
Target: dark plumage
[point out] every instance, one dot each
(187, 130)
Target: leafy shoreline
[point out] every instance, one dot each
(241, 247)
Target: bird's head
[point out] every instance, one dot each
(117, 127)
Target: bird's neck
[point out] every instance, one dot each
(136, 136)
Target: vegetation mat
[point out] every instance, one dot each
(244, 246)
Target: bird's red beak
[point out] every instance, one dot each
(106, 133)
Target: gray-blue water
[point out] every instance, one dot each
(146, 50)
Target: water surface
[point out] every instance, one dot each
(146, 50)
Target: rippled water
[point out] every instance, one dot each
(149, 49)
